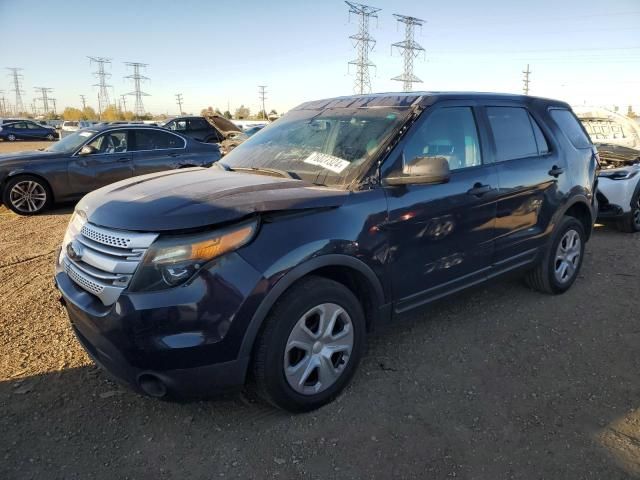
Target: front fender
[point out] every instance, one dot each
(288, 279)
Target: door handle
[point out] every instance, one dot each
(479, 189)
(123, 159)
(556, 171)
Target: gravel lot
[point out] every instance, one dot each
(498, 382)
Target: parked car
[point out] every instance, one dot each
(253, 130)
(210, 129)
(26, 130)
(70, 126)
(344, 213)
(617, 139)
(91, 158)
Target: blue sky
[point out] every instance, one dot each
(217, 52)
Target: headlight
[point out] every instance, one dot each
(619, 174)
(173, 260)
(78, 219)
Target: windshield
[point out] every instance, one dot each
(327, 147)
(71, 142)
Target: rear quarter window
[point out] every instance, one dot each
(570, 126)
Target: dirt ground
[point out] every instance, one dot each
(499, 382)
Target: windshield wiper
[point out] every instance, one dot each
(260, 170)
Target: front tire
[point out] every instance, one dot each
(562, 261)
(27, 195)
(11, 137)
(310, 345)
(50, 137)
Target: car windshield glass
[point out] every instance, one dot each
(327, 147)
(71, 142)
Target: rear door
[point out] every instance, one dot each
(532, 178)
(20, 130)
(441, 236)
(112, 162)
(154, 150)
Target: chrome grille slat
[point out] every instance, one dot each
(104, 260)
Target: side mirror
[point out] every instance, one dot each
(87, 150)
(422, 170)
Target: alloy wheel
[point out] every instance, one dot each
(318, 349)
(28, 196)
(11, 137)
(568, 256)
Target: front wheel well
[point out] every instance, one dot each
(582, 213)
(357, 283)
(27, 174)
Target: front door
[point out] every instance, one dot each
(441, 236)
(110, 163)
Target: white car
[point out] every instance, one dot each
(70, 126)
(617, 139)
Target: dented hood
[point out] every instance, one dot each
(199, 197)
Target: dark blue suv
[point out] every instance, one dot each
(273, 264)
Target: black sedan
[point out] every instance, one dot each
(92, 158)
(26, 130)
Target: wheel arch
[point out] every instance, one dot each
(353, 273)
(581, 210)
(23, 173)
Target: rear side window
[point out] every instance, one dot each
(571, 128)
(198, 124)
(156, 140)
(513, 133)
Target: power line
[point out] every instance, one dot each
(3, 106)
(124, 102)
(525, 80)
(364, 43)
(137, 80)
(262, 94)
(44, 97)
(410, 50)
(17, 89)
(84, 102)
(179, 101)
(102, 76)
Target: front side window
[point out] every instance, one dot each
(450, 133)
(198, 124)
(111, 142)
(19, 125)
(328, 147)
(512, 132)
(568, 123)
(33, 126)
(156, 140)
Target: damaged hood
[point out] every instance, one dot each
(199, 197)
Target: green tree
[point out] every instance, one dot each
(242, 113)
(71, 113)
(273, 112)
(261, 115)
(227, 114)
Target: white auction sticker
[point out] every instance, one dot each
(85, 134)
(329, 162)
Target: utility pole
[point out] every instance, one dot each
(262, 93)
(410, 50)
(179, 100)
(124, 102)
(525, 80)
(34, 110)
(44, 92)
(102, 76)
(84, 102)
(364, 43)
(54, 106)
(17, 88)
(137, 80)
(2, 104)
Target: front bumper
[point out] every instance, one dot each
(187, 337)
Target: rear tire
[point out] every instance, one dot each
(310, 345)
(631, 223)
(561, 263)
